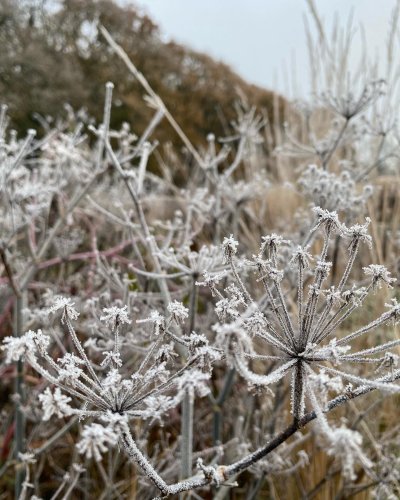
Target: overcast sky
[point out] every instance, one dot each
(258, 37)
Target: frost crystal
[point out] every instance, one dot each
(301, 257)
(67, 307)
(158, 321)
(379, 274)
(229, 246)
(359, 233)
(95, 440)
(178, 311)
(54, 404)
(272, 242)
(111, 357)
(112, 380)
(115, 316)
(330, 191)
(345, 445)
(17, 347)
(69, 369)
(194, 380)
(328, 219)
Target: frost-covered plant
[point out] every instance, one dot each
(92, 222)
(344, 123)
(112, 397)
(329, 191)
(307, 342)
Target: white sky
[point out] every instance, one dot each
(258, 37)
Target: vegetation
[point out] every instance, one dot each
(215, 324)
(55, 55)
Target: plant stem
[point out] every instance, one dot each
(217, 418)
(188, 400)
(19, 391)
(187, 434)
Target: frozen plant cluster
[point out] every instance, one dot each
(307, 342)
(159, 317)
(109, 397)
(303, 342)
(329, 191)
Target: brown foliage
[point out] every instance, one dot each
(52, 57)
